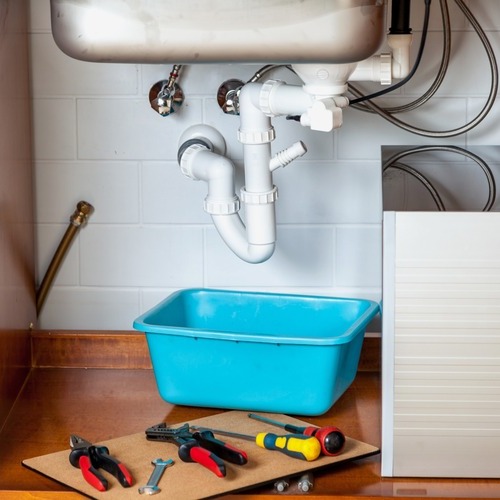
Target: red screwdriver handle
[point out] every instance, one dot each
(331, 438)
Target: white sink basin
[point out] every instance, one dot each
(190, 31)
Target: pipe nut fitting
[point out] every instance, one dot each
(256, 136)
(81, 214)
(222, 207)
(268, 88)
(259, 198)
(385, 69)
(186, 155)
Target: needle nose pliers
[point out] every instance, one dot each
(201, 447)
(89, 458)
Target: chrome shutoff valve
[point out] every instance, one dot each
(228, 96)
(165, 96)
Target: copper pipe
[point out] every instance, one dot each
(76, 221)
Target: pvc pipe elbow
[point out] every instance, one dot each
(233, 232)
(278, 98)
(400, 47)
(374, 69)
(384, 67)
(255, 126)
(199, 163)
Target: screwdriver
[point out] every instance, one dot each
(294, 445)
(330, 438)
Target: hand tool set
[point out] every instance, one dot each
(198, 444)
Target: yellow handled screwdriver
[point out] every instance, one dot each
(294, 445)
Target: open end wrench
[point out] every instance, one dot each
(152, 487)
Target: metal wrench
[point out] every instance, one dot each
(152, 487)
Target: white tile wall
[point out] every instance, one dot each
(96, 138)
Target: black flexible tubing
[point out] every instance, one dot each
(400, 17)
(422, 179)
(479, 117)
(410, 75)
(438, 80)
(452, 149)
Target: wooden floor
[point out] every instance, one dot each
(103, 404)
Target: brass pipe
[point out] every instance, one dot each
(76, 221)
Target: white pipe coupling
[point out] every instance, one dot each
(400, 47)
(221, 207)
(256, 136)
(259, 198)
(375, 69)
(185, 160)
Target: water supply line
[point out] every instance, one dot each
(366, 104)
(77, 220)
(395, 162)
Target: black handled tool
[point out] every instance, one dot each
(89, 458)
(331, 438)
(201, 447)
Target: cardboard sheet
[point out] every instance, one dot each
(190, 480)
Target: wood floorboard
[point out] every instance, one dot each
(103, 404)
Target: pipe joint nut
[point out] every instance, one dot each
(265, 96)
(81, 214)
(186, 153)
(256, 136)
(259, 198)
(222, 207)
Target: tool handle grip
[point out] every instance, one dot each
(331, 438)
(91, 475)
(293, 445)
(223, 450)
(113, 466)
(192, 452)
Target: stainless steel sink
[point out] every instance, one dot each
(190, 31)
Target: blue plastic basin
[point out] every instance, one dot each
(255, 351)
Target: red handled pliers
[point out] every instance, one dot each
(201, 447)
(90, 458)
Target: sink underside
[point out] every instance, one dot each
(161, 31)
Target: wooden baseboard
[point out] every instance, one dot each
(14, 367)
(90, 349)
(125, 350)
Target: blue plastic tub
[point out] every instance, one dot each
(255, 351)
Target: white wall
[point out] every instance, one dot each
(97, 139)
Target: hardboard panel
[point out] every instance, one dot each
(190, 480)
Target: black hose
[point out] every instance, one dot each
(400, 17)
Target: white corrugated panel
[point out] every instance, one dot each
(441, 344)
